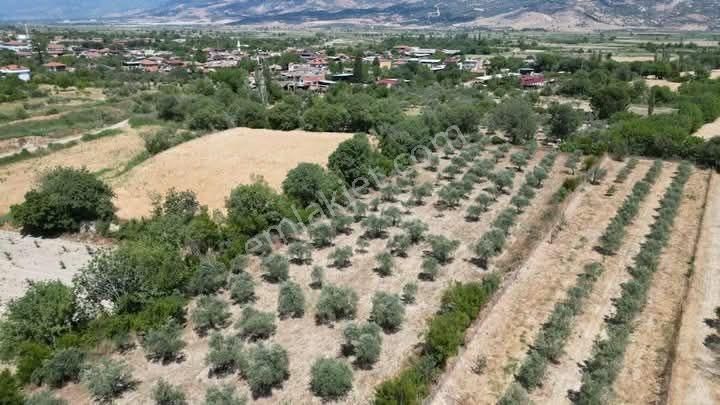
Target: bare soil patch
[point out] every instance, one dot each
(641, 380)
(106, 153)
(25, 258)
(709, 130)
(674, 86)
(213, 165)
(715, 74)
(566, 374)
(695, 376)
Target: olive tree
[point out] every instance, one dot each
(330, 378)
(223, 395)
(364, 342)
(388, 311)
(399, 244)
(375, 226)
(107, 379)
(430, 268)
(300, 253)
(165, 394)
(384, 264)
(291, 300)
(226, 354)
(442, 248)
(340, 257)
(415, 229)
(321, 234)
(267, 367)
(255, 325)
(210, 313)
(276, 268)
(164, 343)
(63, 366)
(409, 292)
(242, 288)
(336, 303)
(317, 277)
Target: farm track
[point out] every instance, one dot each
(503, 334)
(305, 341)
(695, 377)
(566, 374)
(641, 379)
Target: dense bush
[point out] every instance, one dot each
(65, 199)
(223, 395)
(225, 355)
(330, 378)
(291, 300)
(267, 367)
(107, 379)
(442, 248)
(210, 276)
(516, 118)
(364, 342)
(387, 311)
(255, 324)
(276, 268)
(164, 343)
(209, 313)
(321, 234)
(415, 229)
(165, 394)
(310, 183)
(10, 389)
(242, 288)
(336, 303)
(65, 365)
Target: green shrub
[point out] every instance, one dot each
(410, 387)
(430, 268)
(399, 244)
(330, 378)
(29, 359)
(256, 325)
(415, 229)
(242, 288)
(107, 379)
(515, 395)
(384, 264)
(166, 394)
(321, 234)
(276, 268)
(364, 342)
(291, 300)
(300, 253)
(336, 303)
(409, 292)
(42, 398)
(443, 248)
(164, 343)
(65, 199)
(317, 277)
(210, 276)
(10, 389)
(210, 313)
(268, 367)
(388, 311)
(341, 257)
(223, 395)
(63, 366)
(375, 226)
(225, 355)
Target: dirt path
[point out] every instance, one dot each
(641, 378)
(502, 337)
(695, 376)
(566, 374)
(709, 130)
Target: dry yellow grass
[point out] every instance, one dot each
(105, 153)
(213, 165)
(709, 130)
(663, 83)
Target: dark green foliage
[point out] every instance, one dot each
(210, 313)
(564, 120)
(336, 303)
(10, 389)
(387, 311)
(65, 199)
(291, 300)
(442, 248)
(29, 360)
(364, 342)
(609, 100)
(352, 159)
(164, 343)
(42, 314)
(63, 366)
(226, 354)
(253, 208)
(516, 118)
(166, 394)
(267, 367)
(242, 288)
(255, 324)
(107, 379)
(210, 276)
(223, 395)
(310, 183)
(276, 268)
(385, 264)
(330, 378)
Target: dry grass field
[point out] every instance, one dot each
(709, 130)
(213, 165)
(110, 153)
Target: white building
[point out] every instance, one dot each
(21, 72)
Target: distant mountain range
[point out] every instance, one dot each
(548, 14)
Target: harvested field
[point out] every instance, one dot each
(710, 130)
(642, 378)
(109, 153)
(213, 165)
(307, 341)
(25, 258)
(566, 374)
(695, 375)
(636, 58)
(512, 324)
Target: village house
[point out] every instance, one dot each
(55, 67)
(21, 72)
